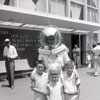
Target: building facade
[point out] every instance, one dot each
(22, 21)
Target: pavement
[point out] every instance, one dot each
(90, 87)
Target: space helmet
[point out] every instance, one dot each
(47, 32)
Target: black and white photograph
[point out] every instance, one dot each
(49, 49)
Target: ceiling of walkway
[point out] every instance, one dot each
(11, 17)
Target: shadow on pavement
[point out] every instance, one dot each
(92, 74)
(4, 85)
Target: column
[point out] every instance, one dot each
(98, 36)
(67, 8)
(85, 10)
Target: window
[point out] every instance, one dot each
(93, 3)
(57, 7)
(92, 15)
(76, 11)
(7, 2)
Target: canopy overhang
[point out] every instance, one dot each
(27, 18)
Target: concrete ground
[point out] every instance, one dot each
(90, 87)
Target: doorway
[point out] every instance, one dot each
(80, 40)
(76, 40)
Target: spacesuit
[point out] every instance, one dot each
(52, 50)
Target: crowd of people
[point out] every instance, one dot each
(55, 76)
(94, 59)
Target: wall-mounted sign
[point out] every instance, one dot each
(25, 41)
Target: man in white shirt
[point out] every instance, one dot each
(9, 55)
(96, 57)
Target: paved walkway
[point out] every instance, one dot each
(90, 88)
(90, 85)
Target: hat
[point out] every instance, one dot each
(7, 40)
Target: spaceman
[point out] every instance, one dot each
(52, 50)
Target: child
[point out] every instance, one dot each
(54, 87)
(71, 82)
(39, 80)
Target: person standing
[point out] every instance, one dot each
(76, 56)
(39, 80)
(71, 82)
(9, 54)
(52, 49)
(54, 86)
(96, 58)
(89, 58)
(92, 59)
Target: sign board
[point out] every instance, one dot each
(25, 41)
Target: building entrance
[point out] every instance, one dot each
(80, 40)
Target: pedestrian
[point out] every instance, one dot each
(39, 80)
(54, 87)
(92, 60)
(71, 82)
(52, 49)
(96, 58)
(10, 54)
(76, 56)
(89, 59)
